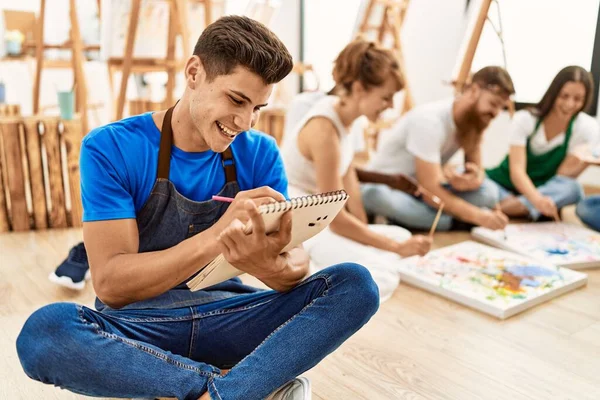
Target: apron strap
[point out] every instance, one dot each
(164, 152)
(166, 141)
(229, 165)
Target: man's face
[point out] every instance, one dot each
(230, 104)
(488, 105)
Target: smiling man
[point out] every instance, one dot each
(422, 143)
(150, 224)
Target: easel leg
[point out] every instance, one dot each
(171, 55)
(467, 62)
(181, 6)
(127, 57)
(77, 60)
(39, 57)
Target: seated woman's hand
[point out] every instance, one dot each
(546, 206)
(416, 245)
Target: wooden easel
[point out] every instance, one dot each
(129, 63)
(461, 76)
(393, 14)
(76, 46)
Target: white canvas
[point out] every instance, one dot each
(558, 243)
(494, 281)
(153, 27)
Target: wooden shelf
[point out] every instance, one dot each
(47, 63)
(64, 46)
(147, 64)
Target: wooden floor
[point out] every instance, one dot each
(418, 346)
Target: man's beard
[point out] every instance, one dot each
(476, 120)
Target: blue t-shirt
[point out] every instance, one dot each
(119, 162)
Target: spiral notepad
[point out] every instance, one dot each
(310, 215)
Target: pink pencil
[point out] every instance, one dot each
(224, 199)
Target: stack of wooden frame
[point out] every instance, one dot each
(39, 171)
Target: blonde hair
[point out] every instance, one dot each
(366, 62)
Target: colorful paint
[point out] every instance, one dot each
(561, 244)
(493, 280)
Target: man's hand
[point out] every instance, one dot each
(416, 245)
(469, 180)
(237, 209)
(256, 252)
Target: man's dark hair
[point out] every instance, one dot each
(494, 78)
(233, 41)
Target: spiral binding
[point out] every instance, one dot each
(304, 201)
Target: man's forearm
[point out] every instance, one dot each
(128, 278)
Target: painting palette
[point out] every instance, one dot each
(494, 281)
(558, 243)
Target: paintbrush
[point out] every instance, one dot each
(436, 220)
(498, 208)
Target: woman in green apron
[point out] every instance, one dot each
(538, 176)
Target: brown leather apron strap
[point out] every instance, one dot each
(229, 165)
(166, 141)
(164, 152)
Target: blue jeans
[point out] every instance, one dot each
(561, 189)
(406, 210)
(267, 338)
(588, 210)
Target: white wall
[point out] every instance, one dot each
(431, 37)
(286, 25)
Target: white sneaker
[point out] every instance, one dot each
(298, 389)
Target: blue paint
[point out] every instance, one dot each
(530, 270)
(557, 251)
(530, 282)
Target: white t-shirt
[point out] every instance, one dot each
(585, 131)
(427, 132)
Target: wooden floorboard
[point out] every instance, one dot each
(418, 345)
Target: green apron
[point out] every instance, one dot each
(540, 167)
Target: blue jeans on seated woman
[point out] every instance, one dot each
(588, 210)
(561, 189)
(267, 338)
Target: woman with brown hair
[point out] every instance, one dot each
(318, 151)
(538, 176)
